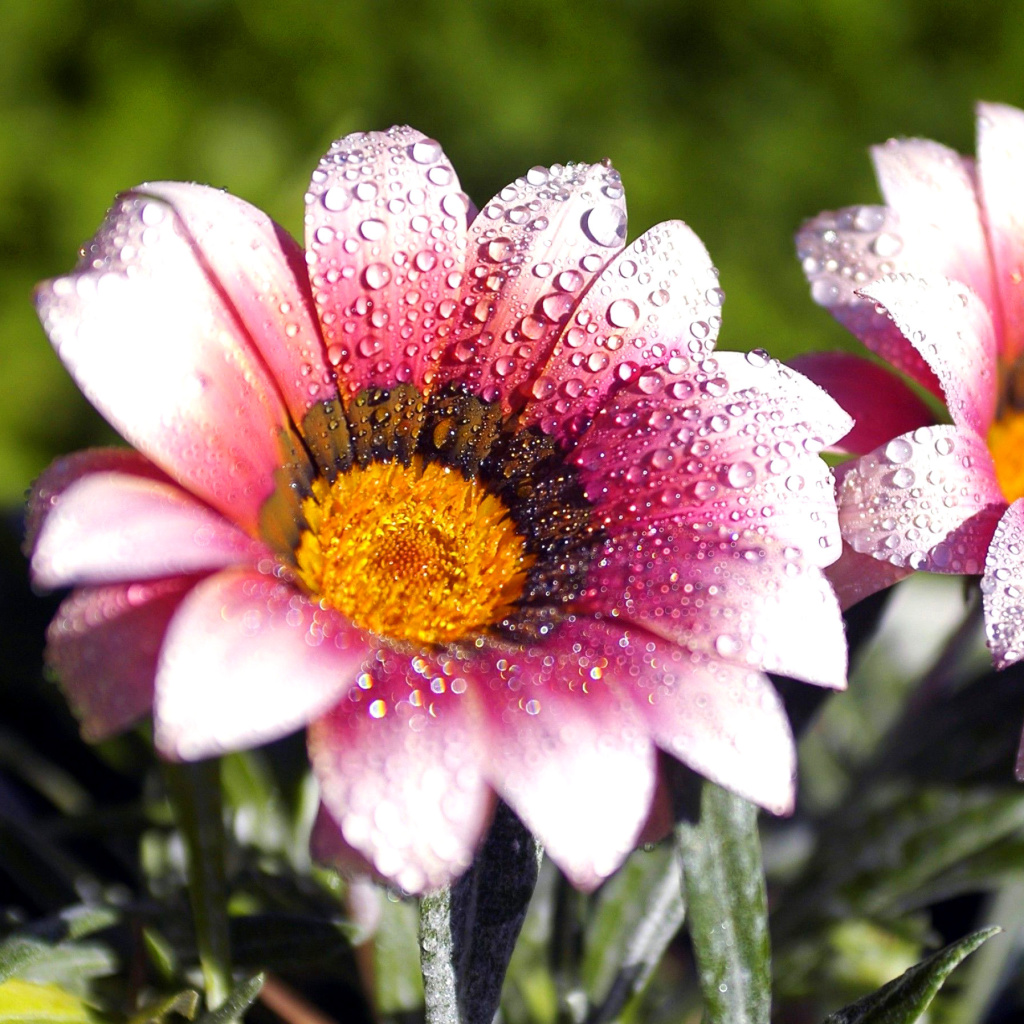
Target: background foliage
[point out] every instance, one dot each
(742, 119)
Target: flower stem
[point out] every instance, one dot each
(195, 793)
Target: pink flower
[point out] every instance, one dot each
(468, 495)
(932, 283)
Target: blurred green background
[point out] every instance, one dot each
(740, 118)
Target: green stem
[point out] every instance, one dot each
(195, 792)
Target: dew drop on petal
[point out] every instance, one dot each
(623, 313)
(426, 151)
(898, 450)
(605, 224)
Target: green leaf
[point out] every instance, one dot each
(398, 984)
(468, 931)
(238, 1000)
(22, 1002)
(904, 999)
(637, 913)
(40, 947)
(728, 908)
(184, 1003)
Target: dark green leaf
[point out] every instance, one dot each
(728, 909)
(238, 1000)
(468, 932)
(904, 999)
(638, 912)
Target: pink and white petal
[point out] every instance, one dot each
(932, 190)
(262, 271)
(846, 250)
(855, 576)
(112, 527)
(103, 645)
(741, 598)
(657, 303)
(385, 242)
(533, 250)
(327, 845)
(953, 330)
(692, 448)
(724, 721)
(1000, 171)
(1002, 588)
(880, 404)
(67, 470)
(566, 751)
(147, 335)
(926, 500)
(248, 659)
(400, 769)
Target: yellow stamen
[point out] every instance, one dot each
(1006, 443)
(412, 552)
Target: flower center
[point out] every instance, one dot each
(1006, 443)
(412, 552)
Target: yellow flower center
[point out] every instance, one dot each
(413, 552)
(1006, 443)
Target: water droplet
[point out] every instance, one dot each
(898, 450)
(373, 230)
(605, 225)
(366, 191)
(569, 280)
(740, 474)
(376, 275)
(537, 175)
(825, 292)
(886, 245)
(623, 313)
(557, 307)
(426, 151)
(425, 261)
(500, 249)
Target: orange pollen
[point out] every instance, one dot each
(1006, 443)
(412, 552)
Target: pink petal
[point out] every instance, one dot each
(657, 303)
(847, 250)
(103, 645)
(248, 659)
(1002, 588)
(111, 526)
(743, 599)
(932, 190)
(147, 335)
(855, 576)
(63, 472)
(953, 331)
(881, 405)
(565, 750)
(722, 720)
(327, 845)
(697, 449)
(533, 250)
(385, 238)
(1000, 172)
(927, 500)
(400, 769)
(262, 271)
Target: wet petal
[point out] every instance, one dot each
(951, 328)
(695, 448)
(148, 337)
(385, 237)
(65, 471)
(400, 768)
(926, 500)
(722, 720)
(327, 845)
(533, 250)
(248, 659)
(1000, 171)
(103, 646)
(743, 599)
(855, 576)
(1002, 588)
(564, 748)
(262, 271)
(110, 527)
(880, 404)
(844, 251)
(658, 303)
(931, 188)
